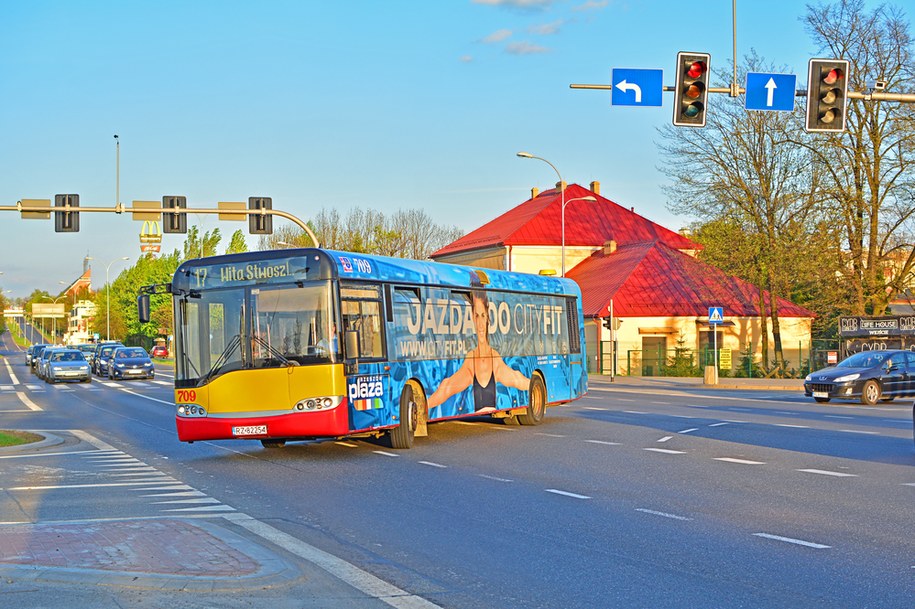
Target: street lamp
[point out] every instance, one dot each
(562, 192)
(108, 296)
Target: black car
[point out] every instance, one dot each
(869, 376)
(130, 362)
(100, 358)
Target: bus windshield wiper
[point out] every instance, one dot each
(223, 357)
(272, 350)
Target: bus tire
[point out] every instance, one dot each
(536, 409)
(402, 436)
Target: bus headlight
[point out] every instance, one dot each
(191, 410)
(318, 403)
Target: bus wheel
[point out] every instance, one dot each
(537, 407)
(273, 443)
(402, 435)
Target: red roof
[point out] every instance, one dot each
(654, 280)
(535, 222)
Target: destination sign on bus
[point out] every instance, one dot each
(217, 275)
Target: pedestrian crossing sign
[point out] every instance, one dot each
(716, 315)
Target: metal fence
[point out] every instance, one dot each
(799, 360)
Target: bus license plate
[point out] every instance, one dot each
(250, 430)
(820, 394)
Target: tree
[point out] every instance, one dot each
(864, 176)
(197, 246)
(237, 243)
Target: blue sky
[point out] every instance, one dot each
(386, 105)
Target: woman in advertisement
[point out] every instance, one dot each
(483, 367)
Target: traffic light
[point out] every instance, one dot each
(260, 224)
(827, 91)
(608, 323)
(66, 221)
(173, 222)
(691, 89)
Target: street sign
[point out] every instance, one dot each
(636, 87)
(770, 91)
(715, 315)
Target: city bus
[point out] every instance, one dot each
(310, 343)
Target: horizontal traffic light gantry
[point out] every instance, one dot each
(827, 95)
(690, 103)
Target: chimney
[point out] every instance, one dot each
(561, 186)
(534, 192)
(595, 187)
(609, 247)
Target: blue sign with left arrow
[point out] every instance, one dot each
(770, 91)
(636, 87)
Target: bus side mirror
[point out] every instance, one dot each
(143, 308)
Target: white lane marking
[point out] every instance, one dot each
(604, 442)
(824, 472)
(347, 572)
(634, 412)
(98, 485)
(385, 454)
(495, 478)
(666, 439)
(163, 383)
(691, 430)
(665, 451)
(177, 494)
(800, 542)
(740, 461)
(682, 416)
(222, 507)
(172, 487)
(431, 464)
(198, 501)
(347, 444)
(566, 494)
(867, 433)
(548, 435)
(9, 369)
(662, 514)
(32, 456)
(146, 397)
(718, 424)
(790, 426)
(908, 484)
(28, 403)
(836, 416)
(593, 408)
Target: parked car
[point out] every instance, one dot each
(159, 351)
(102, 353)
(869, 376)
(130, 362)
(67, 365)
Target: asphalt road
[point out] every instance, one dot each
(630, 497)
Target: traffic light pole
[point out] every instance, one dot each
(867, 96)
(120, 209)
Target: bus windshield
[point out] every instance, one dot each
(254, 327)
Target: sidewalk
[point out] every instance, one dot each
(685, 382)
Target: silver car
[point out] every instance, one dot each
(67, 365)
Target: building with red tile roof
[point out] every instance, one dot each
(643, 275)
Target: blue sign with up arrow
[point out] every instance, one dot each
(770, 91)
(636, 87)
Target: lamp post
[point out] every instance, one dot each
(54, 335)
(562, 192)
(117, 171)
(108, 297)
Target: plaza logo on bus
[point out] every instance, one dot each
(366, 392)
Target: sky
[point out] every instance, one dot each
(401, 104)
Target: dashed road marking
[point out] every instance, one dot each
(431, 464)
(799, 542)
(665, 451)
(662, 514)
(739, 461)
(690, 430)
(824, 472)
(603, 442)
(566, 494)
(858, 431)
